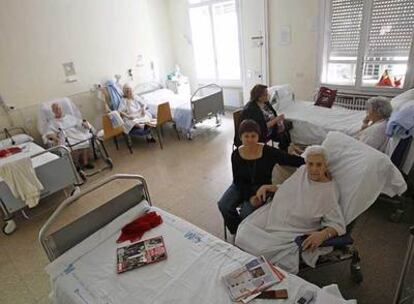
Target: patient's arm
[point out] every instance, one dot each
(315, 239)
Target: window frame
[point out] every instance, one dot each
(223, 82)
(358, 87)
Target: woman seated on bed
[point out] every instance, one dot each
(272, 126)
(252, 165)
(305, 204)
(133, 111)
(372, 133)
(66, 129)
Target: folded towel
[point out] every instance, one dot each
(135, 230)
(21, 178)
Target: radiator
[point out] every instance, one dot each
(352, 101)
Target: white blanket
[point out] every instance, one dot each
(300, 206)
(180, 106)
(192, 272)
(311, 124)
(21, 178)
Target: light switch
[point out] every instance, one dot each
(69, 69)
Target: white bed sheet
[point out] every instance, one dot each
(191, 274)
(311, 123)
(29, 149)
(180, 106)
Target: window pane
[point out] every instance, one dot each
(202, 42)
(343, 44)
(389, 43)
(341, 73)
(226, 40)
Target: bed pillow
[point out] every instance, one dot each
(18, 139)
(281, 96)
(326, 97)
(361, 172)
(403, 100)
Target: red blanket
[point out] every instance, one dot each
(9, 151)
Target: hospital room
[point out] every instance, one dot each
(207, 151)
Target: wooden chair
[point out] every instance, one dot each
(237, 121)
(163, 116)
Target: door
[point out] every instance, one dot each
(254, 41)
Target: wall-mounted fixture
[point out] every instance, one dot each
(70, 72)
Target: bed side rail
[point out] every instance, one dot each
(58, 242)
(10, 132)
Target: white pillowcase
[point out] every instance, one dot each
(361, 172)
(281, 96)
(18, 139)
(403, 100)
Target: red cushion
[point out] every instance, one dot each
(326, 97)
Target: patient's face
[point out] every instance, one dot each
(57, 110)
(317, 168)
(249, 138)
(127, 92)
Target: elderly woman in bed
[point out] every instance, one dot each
(305, 204)
(372, 132)
(133, 111)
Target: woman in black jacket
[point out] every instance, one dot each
(272, 126)
(252, 165)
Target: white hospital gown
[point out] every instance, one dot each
(70, 127)
(300, 206)
(133, 107)
(374, 135)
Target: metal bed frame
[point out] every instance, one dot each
(207, 106)
(61, 240)
(51, 181)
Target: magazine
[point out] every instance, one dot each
(140, 254)
(249, 281)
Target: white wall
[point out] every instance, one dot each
(296, 62)
(102, 38)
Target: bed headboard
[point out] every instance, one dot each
(147, 87)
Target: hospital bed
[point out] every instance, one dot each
(83, 256)
(45, 115)
(46, 163)
(206, 102)
(311, 123)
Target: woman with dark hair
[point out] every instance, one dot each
(252, 165)
(272, 126)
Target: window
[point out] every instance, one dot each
(368, 43)
(215, 37)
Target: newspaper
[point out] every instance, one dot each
(249, 281)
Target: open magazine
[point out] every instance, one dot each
(248, 281)
(140, 254)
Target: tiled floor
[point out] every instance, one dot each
(186, 178)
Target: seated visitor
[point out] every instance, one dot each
(252, 165)
(272, 126)
(375, 123)
(307, 203)
(68, 130)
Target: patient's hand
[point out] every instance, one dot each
(314, 240)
